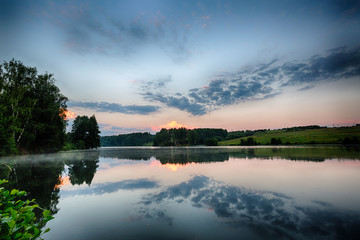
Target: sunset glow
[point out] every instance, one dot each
(70, 115)
(171, 166)
(171, 124)
(64, 180)
(174, 64)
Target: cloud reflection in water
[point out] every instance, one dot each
(102, 188)
(267, 214)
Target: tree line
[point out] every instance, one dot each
(200, 136)
(183, 136)
(32, 111)
(131, 139)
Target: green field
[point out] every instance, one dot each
(311, 136)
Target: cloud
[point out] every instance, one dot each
(339, 63)
(157, 84)
(89, 29)
(180, 102)
(267, 214)
(262, 81)
(114, 107)
(102, 188)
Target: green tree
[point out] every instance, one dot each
(162, 138)
(32, 110)
(85, 132)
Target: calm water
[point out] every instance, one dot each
(195, 193)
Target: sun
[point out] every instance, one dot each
(171, 124)
(69, 115)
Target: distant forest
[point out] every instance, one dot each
(168, 137)
(218, 136)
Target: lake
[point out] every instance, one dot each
(195, 192)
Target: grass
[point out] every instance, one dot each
(311, 136)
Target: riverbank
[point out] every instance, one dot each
(340, 135)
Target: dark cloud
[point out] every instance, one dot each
(339, 63)
(268, 214)
(262, 81)
(114, 107)
(179, 102)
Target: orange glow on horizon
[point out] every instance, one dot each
(171, 166)
(64, 180)
(171, 124)
(69, 115)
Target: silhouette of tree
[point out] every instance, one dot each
(85, 132)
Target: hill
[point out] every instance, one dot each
(299, 135)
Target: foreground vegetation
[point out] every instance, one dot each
(17, 217)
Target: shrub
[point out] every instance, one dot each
(17, 216)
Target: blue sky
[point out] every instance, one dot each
(230, 64)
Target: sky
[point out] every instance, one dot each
(141, 64)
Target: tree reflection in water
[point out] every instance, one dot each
(38, 175)
(269, 214)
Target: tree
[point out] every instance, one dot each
(32, 110)
(85, 132)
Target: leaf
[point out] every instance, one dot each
(14, 192)
(11, 224)
(27, 235)
(22, 193)
(18, 235)
(36, 232)
(47, 230)
(46, 213)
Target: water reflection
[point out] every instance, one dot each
(183, 155)
(110, 187)
(83, 170)
(268, 214)
(41, 175)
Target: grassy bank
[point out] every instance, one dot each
(310, 136)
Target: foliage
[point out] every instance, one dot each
(275, 141)
(301, 128)
(85, 133)
(18, 220)
(340, 135)
(246, 133)
(350, 140)
(211, 142)
(132, 139)
(183, 136)
(248, 142)
(83, 171)
(32, 110)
